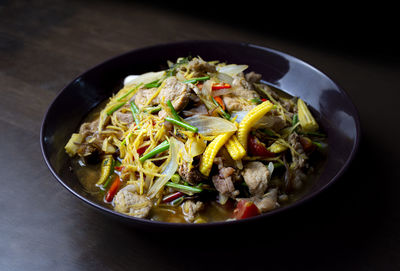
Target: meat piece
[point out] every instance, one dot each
(174, 90)
(200, 67)
(199, 110)
(241, 96)
(256, 176)
(253, 77)
(190, 209)
(298, 159)
(125, 118)
(235, 103)
(92, 140)
(223, 182)
(190, 174)
(143, 95)
(268, 202)
(89, 128)
(127, 201)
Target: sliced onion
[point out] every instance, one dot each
(169, 170)
(211, 126)
(223, 77)
(232, 69)
(144, 78)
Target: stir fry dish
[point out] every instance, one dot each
(201, 141)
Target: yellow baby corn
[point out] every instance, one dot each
(235, 149)
(277, 148)
(211, 151)
(250, 119)
(307, 121)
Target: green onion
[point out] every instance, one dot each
(174, 113)
(183, 124)
(129, 92)
(154, 84)
(159, 149)
(175, 178)
(295, 119)
(222, 111)
(153, 109)
(177, 201)
(135, 112)
(183, 187)
(115, 108)
(195, 80)
(256, 100)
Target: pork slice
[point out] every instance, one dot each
(256, 176)
(190, 174)
(143, 95)
(223, 182)
(127, 201)
(200, 67)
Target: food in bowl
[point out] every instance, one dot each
(201, 141)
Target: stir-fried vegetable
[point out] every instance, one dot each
(196, 136)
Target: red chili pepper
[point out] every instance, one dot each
(141, 150)
(119, 168)
(263, 99)
(257, 148)
(220, 86)
(113, 189)
(173, 196)
(245, 209)
(307, 144)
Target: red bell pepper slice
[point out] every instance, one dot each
(220, 86)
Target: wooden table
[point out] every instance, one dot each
(45, 44)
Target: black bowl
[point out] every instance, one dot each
(333, 109)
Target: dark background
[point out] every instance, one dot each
(45, 44)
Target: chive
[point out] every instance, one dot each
(159, 149)
(269, 132)
(109, 179)
(135, 112)
(173, 111)
(184, 187)
(182, 124)
(115, 108)
(175, 178)
(195, 80)
(129, 92)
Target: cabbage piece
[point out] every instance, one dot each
(211, 126)
(168, 171)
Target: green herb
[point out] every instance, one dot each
(177, 201)
(135, 113)
(182, 124)
(195, 80)
(115, 108)
(129, 92)
(222, 111)
(153, 109)
(175, 178)
(172, 70)
(154, 84)
(174, 113)
(256, 100)
(295, 119)
(183, 188)
(159, 149)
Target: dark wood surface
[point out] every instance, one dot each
(355, 225)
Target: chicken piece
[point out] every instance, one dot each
(199, 67)
(190, 209)
(127, 201)
(256, 176)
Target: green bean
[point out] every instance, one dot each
(183, 124)
(175, 178)
(159, 149)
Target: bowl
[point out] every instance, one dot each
(331, 105)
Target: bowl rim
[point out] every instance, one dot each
(147, 222)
